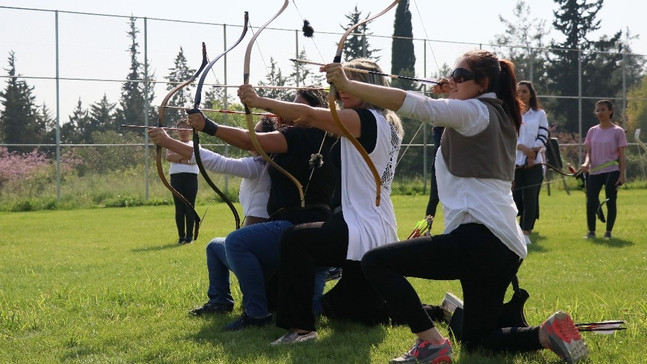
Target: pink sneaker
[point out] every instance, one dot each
(564, 338)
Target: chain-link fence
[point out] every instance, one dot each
(73, 59)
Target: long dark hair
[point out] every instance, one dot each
(534, 101)
(502, 80)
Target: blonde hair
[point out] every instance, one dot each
(374, 78)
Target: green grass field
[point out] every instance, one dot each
(109, 285)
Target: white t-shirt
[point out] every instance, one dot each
(255, 186)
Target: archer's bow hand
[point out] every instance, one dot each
(248, 96)
(335, 75)
(200, 122)
(158, 136)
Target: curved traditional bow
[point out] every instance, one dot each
(160, 123)
(196, 135)
(250, 122)
(333, 108)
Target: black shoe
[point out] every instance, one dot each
(188, 240)
(180, 241)
(245, 321)
(211, 308)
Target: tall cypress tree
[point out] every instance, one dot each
(403, 58)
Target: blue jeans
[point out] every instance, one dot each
(253, 255)
(218, 267)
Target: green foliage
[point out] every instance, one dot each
(19, 120)
(112, 286)
(357, 45)
(403, 57)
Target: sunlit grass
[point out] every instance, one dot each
(109, 285)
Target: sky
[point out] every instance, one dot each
(95, 47)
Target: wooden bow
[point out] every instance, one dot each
(333, 108)
(196, 135)
(160, 123)
(248, 114)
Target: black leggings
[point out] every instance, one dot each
(187, 185)
(527, 183)
(594, 183)
(471, 254)
(303, 248)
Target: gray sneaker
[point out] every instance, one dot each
(292, 337)
(425, 352)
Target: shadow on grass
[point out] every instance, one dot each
(253, 344)
(157, 248)
(536, 246)
(612, 243)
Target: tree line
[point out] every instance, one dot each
(606, 63)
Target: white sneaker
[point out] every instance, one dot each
(528, 241)
(451, 302)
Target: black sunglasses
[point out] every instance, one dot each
(461, 75)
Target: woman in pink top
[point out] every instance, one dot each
(605, 163)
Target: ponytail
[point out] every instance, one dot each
(502, 80)
(506, 90)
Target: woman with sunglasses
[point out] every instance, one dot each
(482, 245)
(528, 174)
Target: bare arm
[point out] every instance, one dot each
(385, 97)
(272, 142)
(302, 115)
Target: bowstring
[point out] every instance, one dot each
(311, 38)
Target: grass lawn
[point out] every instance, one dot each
(110, 285)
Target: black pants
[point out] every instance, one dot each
(594, 183)
(471, 254)
(306, 246)
(187, 185)
(527, 184)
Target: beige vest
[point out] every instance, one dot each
(488, 154)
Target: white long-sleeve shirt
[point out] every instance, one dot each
(533, 133)
(464, 200)
(255, 186)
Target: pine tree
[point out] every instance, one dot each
(184, 97)
(403, 58)
(101, 118)
(302, 74)
(72, 131)
(275, 78)
(19, 122)
(356, 45)
(576, 20)
(133, 91)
